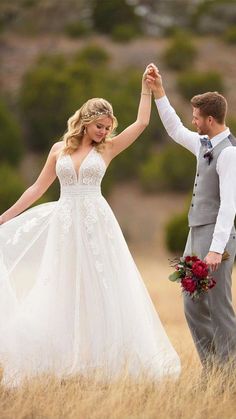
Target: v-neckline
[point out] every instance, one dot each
(77, 171)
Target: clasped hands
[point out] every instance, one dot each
(151, 75)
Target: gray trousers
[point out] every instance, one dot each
(211, 319)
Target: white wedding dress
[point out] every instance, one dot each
(71, 298)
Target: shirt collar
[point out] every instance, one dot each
(219, 137)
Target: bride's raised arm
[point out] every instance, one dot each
(132, 132)
(39, 187)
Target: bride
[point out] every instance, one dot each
(84, 307)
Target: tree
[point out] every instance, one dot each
(108, 14)
(47, 99)
(11, 144)
(10, 188)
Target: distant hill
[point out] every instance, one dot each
(19, 53)
(158, 16)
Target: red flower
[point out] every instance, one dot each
(189, 284)
(193, 275)
(200, 269)
(191, 259)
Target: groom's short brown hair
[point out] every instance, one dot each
(211, 104)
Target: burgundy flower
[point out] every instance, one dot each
(193, 275)
(191, 259)
(189, 284)
(200, 269)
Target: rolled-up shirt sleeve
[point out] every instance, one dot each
(175, 128)
(226, 169)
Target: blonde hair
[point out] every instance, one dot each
(92, 110)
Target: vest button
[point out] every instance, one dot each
(191, 205)
(193, 194)
(197, 174)
(195, 184)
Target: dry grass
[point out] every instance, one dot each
(186, 397)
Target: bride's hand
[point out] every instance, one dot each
(149, 72)
(1, 219)
(153, 78)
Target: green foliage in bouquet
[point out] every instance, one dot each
(173, 168)
(192, 83)
(11, 143)
(181, 52)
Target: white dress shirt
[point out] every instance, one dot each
(225, 167)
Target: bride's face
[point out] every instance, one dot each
(99, 129)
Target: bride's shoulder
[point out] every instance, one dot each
(106, 150)
(108, 145)
(57, 149)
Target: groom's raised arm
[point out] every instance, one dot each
(170, 119)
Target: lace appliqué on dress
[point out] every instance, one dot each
(65, 216)
(67, 177)
(64, 172)
(108, 229)
(90, 219)
(23, 229)
(93, 171)
(27, 226)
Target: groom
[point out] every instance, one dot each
(211, 319)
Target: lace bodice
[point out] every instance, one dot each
(91, 171)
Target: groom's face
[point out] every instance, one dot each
(202, 123)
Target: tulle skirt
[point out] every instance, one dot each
(71, 298)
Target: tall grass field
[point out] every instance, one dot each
(88, 397)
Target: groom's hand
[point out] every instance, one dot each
(154, 81)
(213, 260)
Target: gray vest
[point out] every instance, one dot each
(205, 202)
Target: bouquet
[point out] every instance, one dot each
(193, 275)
